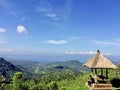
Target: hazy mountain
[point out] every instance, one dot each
(72, 65)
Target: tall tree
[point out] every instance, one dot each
(18, 81)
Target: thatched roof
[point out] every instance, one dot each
(99, 61)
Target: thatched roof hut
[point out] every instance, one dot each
(99, 62)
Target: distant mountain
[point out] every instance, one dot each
(38, 69)
(72, 65)
(56, 67)
(7, 69)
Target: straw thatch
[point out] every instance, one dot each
(99, 61)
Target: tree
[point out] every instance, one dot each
(18, 82)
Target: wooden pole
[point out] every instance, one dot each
(101, 71)
(91, 70)
(106, 73)
(95, 70)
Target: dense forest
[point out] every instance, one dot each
(63, 81)
(64, 77)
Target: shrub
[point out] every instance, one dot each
(115, 82)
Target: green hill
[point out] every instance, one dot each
(73, 65)
(7, 69)
(67, 75)
(56, 67)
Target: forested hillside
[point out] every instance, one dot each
(56, 76)
(39, 69)
(7, 69)
(63, 81)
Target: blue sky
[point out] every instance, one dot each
(59, 27)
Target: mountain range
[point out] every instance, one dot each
(30, 69)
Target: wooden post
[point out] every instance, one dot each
(101, 71)
(91, 70)
(106, 73)
(95, 70)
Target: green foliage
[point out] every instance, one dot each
(52, 86)
(115, 82)
(37, 87)
(64, 81)
(56, 76)
(68, 81)
(69, 75)
(62, 88)
(39, 69)
(18, 82)
(74, 84)
(5, 86)
(114, 76)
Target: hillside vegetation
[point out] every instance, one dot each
(65, 81)
(68, 75)
(39, 69)
(7, 69)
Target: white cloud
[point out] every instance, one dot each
(48, 12)
(105, 43)
(2, 41)
(21, 29)
(80, 52)
(5, 50)
(52, 15)
(84, 53)
(2, 30)
(55, 42)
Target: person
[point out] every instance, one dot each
(101, 79)
(91, 80)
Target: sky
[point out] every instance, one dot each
(36, 27)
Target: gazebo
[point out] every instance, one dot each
(101, 63)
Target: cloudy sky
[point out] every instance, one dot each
(59, 26)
